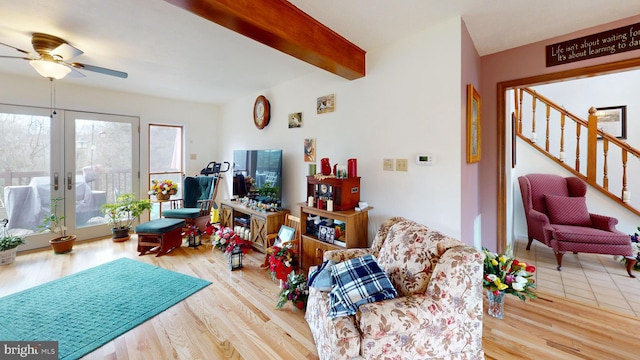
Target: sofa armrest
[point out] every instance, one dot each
(453, 299)
(539, 217)
(604, 222)
(346, 254)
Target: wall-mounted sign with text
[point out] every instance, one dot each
(609, 42)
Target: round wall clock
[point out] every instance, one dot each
(261, 112)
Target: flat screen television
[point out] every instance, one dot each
(257, 174)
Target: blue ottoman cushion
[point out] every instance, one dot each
(159, 226)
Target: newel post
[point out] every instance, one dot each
(592, 139)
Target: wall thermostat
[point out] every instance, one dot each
(424, 160)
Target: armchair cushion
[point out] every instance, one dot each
(588, 236)
(410, 254)
(568, 210)
(358, 281)
(182, 213)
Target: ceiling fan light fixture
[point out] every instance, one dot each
(50, 69)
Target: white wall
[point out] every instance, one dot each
(408, 104)
(200, 120)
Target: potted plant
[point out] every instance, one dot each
(53, 222)
(122, 213)
(8, 245)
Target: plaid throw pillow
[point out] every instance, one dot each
(358, 281)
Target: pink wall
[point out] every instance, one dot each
(470, 207)
(518, 63)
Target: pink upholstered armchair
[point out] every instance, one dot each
(438, 311)
(556, 212)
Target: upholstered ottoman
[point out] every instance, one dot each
(159, 236)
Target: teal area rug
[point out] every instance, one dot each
(84, 311)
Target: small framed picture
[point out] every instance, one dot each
(326, 233)
(326, 104)
(613, 120)
(284, 235)
(295, 120)
(310, 150)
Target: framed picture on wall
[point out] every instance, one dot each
(613, 120)
(473, 125)
(310, 150)
(326, 104)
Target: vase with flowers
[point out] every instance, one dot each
(163, 189)
(294, 289)
(504, 274)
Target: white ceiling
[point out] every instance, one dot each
(169, 52)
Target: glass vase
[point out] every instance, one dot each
(496, 304)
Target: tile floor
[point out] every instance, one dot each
(599, 280)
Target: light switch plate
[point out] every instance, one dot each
(402, 164)
(387, 164)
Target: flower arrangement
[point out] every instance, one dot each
(635, 247)
(503, 273)
(223, 237)
(165, 187)
(295, 290)
(226, 239)
(282, 261)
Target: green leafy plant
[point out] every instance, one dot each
(268, 192)
(54, 222)
(8, 242)
(295, 290)
(125, 210)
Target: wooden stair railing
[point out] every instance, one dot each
(598, 170)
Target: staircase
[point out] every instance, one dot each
(580, 146)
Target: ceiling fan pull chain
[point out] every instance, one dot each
(53, 98)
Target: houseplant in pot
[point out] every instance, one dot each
(122, 213)
(53, 222)
(8, 245)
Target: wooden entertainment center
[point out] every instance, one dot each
(260, 223)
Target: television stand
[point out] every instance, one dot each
(261, 223)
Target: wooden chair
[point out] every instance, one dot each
(293, 222)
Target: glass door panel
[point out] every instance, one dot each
(29, 162)
(101, 162)
(84, 159)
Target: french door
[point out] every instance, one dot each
(83, 159)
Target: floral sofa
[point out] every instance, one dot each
(438, 311)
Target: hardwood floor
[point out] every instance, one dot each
(235, 317)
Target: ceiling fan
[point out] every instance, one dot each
(52, 58)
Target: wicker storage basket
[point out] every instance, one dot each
(7, 256)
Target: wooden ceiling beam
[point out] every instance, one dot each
(282, 26)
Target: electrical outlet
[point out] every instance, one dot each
(402, 164)
(387, 164)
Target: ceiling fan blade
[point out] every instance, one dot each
(74, 72)
(17, 57)
(101, 70)
(20, 50)
(65, 51)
